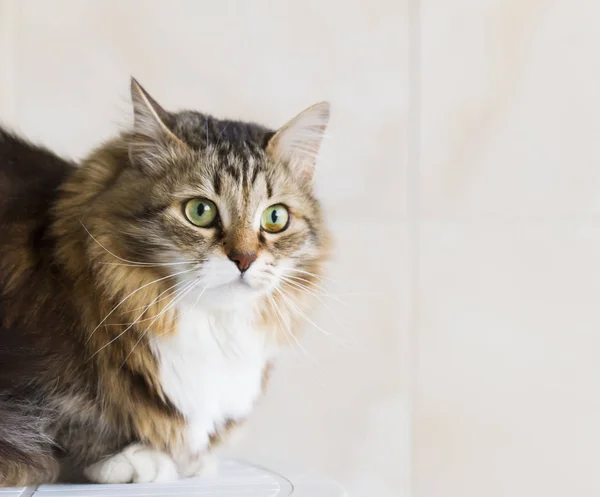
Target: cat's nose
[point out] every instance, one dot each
(242, 260)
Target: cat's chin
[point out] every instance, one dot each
(234, 294)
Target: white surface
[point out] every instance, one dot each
(234, 478)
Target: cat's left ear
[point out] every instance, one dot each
(152, 134)
(297, 143)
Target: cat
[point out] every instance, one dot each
(145, 292)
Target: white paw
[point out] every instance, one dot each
(203, 465)
(136, 464)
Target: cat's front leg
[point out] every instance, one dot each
(203, 464)
(193, 457)
(196, 458)
(137, 463)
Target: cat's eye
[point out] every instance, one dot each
(201, 212)
(275, 219)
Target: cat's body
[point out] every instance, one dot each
(129, 340)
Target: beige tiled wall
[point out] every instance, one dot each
(471, 270)
(507, 376)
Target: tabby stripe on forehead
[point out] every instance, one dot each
(246, 181)
(217, 182)
(255, 174)
(269, 187)
(233, 172)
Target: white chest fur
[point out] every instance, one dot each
(211, 369)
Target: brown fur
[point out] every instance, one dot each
(73, 371)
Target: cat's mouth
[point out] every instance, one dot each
(239, 282)
(233, 293)
(223, 285)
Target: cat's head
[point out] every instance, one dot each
(226, 205)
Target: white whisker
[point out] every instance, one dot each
(111, 253)
(321, 278)
(159, 300)
(324, 280)
(148, 264)
(171, 328)
(128, 328)
(287, 329)
(333, 314)
(310, 321)
(146, 307)
(133, 293)
(182, 294)
(304, 285)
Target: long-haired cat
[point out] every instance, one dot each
(144, 292)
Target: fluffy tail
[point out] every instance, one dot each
(25, 451)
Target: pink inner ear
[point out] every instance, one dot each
(150, 119)
(298, 142)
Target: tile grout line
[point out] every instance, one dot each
(413, 200)
(8, 40)
(28, 491)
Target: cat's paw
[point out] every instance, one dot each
(205, 464)
(136, 464)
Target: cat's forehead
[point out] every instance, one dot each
(200, 131)
(229, 158)
(239, 179)
(241, 185)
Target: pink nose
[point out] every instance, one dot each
(242, 261)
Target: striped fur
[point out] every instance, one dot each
(92, 257)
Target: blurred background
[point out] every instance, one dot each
(461, 179)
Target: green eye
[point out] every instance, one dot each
(275, 218)
(201, 212)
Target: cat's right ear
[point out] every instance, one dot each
(152, 136)
(297, 143)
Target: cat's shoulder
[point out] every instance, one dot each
(21, 159)
(29, 174)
